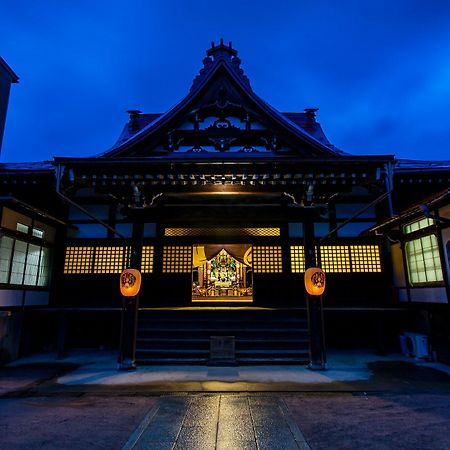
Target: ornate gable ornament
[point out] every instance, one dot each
(216, 54)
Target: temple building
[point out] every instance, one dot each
(221, 202)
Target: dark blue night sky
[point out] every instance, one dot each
(378, 70)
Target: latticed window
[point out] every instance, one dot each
(79, 260)
(147, 259)
(365, 258)
(222, 231)
(99, 260)
(297, 258)
(23, 263)
(340, 258)
(6, 247)
(109, 260)
(423, 260)
(418, 225)
(267, 259)
(335, 258)
(177, 259)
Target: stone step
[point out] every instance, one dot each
(261, 336)
(204, 354)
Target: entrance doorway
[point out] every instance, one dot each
(222, 273)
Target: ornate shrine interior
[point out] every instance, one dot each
(222, 273)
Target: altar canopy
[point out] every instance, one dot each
(203, 253)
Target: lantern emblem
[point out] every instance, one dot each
(315, 281)
(130, 282)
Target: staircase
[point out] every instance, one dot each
(182, 336)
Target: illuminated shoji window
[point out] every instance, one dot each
(147, 259)
(109, 260)
(267, 259)
(177, 259)
(79, 260)
(423, 260)
(418, 225)
(365, 258)
(335, 258)
(297, 258)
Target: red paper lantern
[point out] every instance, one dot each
(130, 282)
(315, 281)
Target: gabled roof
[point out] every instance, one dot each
(221, 63)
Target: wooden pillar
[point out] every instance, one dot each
(130, 305)
(317, 353)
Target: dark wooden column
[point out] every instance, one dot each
(317, 353)
(130, 307)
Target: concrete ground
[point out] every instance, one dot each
(363, 401)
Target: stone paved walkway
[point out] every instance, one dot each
(215, 421)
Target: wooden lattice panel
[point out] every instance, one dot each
(177, 259)
(365, 258)
(109, 259)
(297, 258)
(267, 259)
(335, 258)
(147, 259)
(78, 260)
(222, 231)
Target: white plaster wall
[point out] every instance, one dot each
(36, 298)
(398, 266)
(11, 297)
(429, 295)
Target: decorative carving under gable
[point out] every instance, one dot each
(221, 143)
(222, 123)
(196, 149)
(248, 149)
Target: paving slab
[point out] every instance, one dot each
(228, 422)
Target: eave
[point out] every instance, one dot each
(224, 158)
(25, 207)
(434, 202)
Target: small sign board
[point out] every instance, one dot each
(222, 351)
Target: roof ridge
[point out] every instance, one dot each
(216, 55)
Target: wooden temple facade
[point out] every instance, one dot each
(215, 202)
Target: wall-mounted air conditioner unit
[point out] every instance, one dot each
(416, 345)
